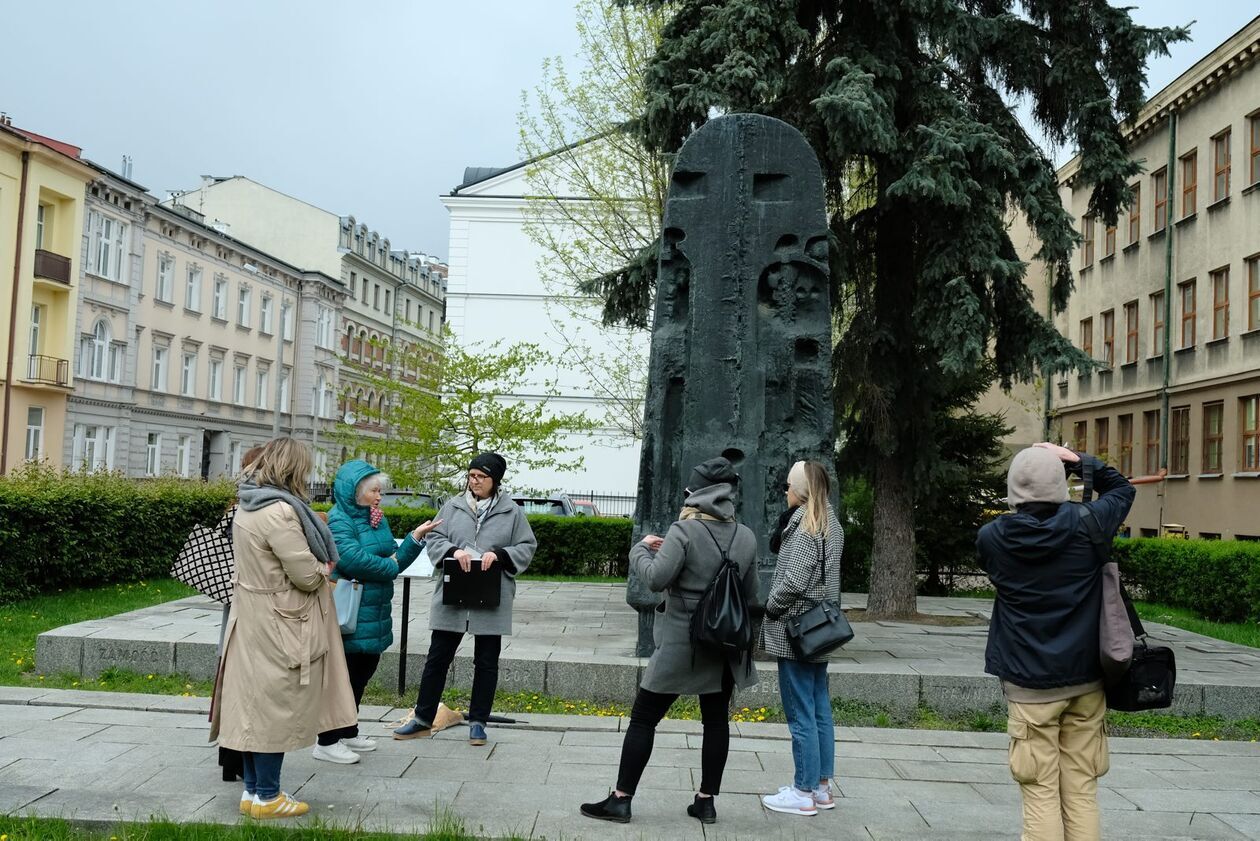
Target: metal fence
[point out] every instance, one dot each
(608, 505)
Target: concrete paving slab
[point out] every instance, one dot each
(20, 799)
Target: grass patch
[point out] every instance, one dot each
(22, 621)
(1241, 633)
(444, 827)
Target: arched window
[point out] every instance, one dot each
(99, 358)
(358, 401)
(363, 340)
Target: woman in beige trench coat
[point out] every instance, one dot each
(283, 678)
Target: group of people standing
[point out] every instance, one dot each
(288, 678)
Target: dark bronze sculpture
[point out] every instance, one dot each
(741, 340)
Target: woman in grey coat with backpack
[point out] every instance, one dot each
(682, 565)
(810, 542)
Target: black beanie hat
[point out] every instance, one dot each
(712, 472)
(491, 464)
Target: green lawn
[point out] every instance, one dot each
(1242, 633)
(445, 828)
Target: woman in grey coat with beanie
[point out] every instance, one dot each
(682, 565)
(480, 528)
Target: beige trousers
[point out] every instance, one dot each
(1058, 751)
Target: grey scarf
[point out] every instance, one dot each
(255, 497)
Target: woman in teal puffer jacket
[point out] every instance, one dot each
(369, 556)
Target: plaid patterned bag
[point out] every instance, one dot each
(205, 563)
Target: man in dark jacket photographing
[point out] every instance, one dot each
(1043, 637)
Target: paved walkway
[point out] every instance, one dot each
(79, 755)
(577, 641)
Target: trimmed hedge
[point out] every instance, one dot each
(1218, 579)
(566, 545)
(86, 530)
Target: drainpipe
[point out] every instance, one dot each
(13, 313)
(1170, 230)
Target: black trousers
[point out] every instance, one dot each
(361, 668)
(437, 664)
(650, 707)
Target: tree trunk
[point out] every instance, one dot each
(893, 577)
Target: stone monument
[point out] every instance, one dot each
(740, 360)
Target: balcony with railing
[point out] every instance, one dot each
(48, 370)
(50, 266)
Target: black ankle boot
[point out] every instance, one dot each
(611, 808)
(703, 809)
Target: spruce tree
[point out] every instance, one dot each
(909, 105)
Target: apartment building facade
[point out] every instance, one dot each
(1168, 303)
(394, 298)
(41, 216)
(191, 345)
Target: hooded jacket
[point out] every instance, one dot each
(367, 555)
(683, 568)
(1044, 629)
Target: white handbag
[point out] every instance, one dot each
(347, 595)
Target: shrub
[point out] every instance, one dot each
(85, 530)
(1218, 579)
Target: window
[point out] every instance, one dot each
(376, 296)
(1253, 293)
(242, 306)
(1150, 424)
(153, 455)
(1157, 324)
(1131, 332)
(1251, 433)
(407, 307)
(1189, 184)
(365, 290)
(1179, 441)
(216, 379)
(1213, 436)
(1220, 165)
(34, 433)
(192, 291)
(264, 314)
(1102, 438)
(183, 456)
(93, 447)
(1087, 337)
(188, 375)
(430, 321)
(1109, 241)
(284, 389)
(238, 385)
(1124, 440)
(33, 338)
(1135, 214)
(1159, 189)
(105, 246)
(218, 308)
(387, 309)
(1254, 122)
(165, 290)
(1220, 303)
(324, 327)
(234, 458)
(95, 353)
(1087, 246)
(260, 396)
(43, 225)
(325, 399)
(160, 355)
(1188, 313)
(1109, 338)
(286, 321)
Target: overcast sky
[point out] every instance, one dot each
(373, 114)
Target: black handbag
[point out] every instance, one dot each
(821, 629)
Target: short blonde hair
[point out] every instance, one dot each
(284, 463)
(380, 479)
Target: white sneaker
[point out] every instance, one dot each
(789, 801)
(360, 744)
(823, 798)
(336, 752)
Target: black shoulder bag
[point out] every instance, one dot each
(821, 629)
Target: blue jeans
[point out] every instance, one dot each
(262, 773)
(807, 706)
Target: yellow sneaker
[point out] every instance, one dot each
(283, 806)
(247, 804)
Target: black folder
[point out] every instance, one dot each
(474, 588)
